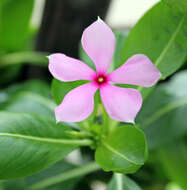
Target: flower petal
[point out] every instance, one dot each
(98, 42)
(138, 70)
(121, 104)
(77, 105)
(65, 68)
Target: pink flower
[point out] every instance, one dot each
(121, 104)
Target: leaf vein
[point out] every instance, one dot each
(119, 154)
(48, 140)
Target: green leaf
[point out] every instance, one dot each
(163, 115)
(74, 173)
(28, 102)
(121, 182)
(179, 6)
(29, 143)
(57, 169)
(161, 36)
(14, 23)
(15, 184)
(173, 158)
(124, 150)
(31, 97)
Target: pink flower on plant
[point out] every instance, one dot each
(121, 104)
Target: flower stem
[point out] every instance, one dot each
(80, 171)
(81, 134)
(119, 179)
(106, 124)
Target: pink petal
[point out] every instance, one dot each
(77, 105)
(98, 42)
(121, 104)
(65, 68)
(138, 70)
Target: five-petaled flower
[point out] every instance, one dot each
(121, 104)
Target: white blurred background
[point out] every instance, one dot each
(125, 13)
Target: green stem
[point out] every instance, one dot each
(77, 172)
(81, 134)
(36, 58)
(119, 180)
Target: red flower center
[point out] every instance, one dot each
(101, 79)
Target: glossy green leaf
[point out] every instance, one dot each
(29, 143)
(31, 97)
(16, 184)
(161, 36)
(74, 173)
(177, 5)
(121, 182)
(14, 23)
(163, 115)
(54, 170)
(124, 150)
(29, 102)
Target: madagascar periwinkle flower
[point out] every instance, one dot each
(121, 104)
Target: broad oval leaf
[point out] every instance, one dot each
(163, 115)
(29, 143)
(160, 35)
(55, 170)
(124, 150)
(121, 182)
